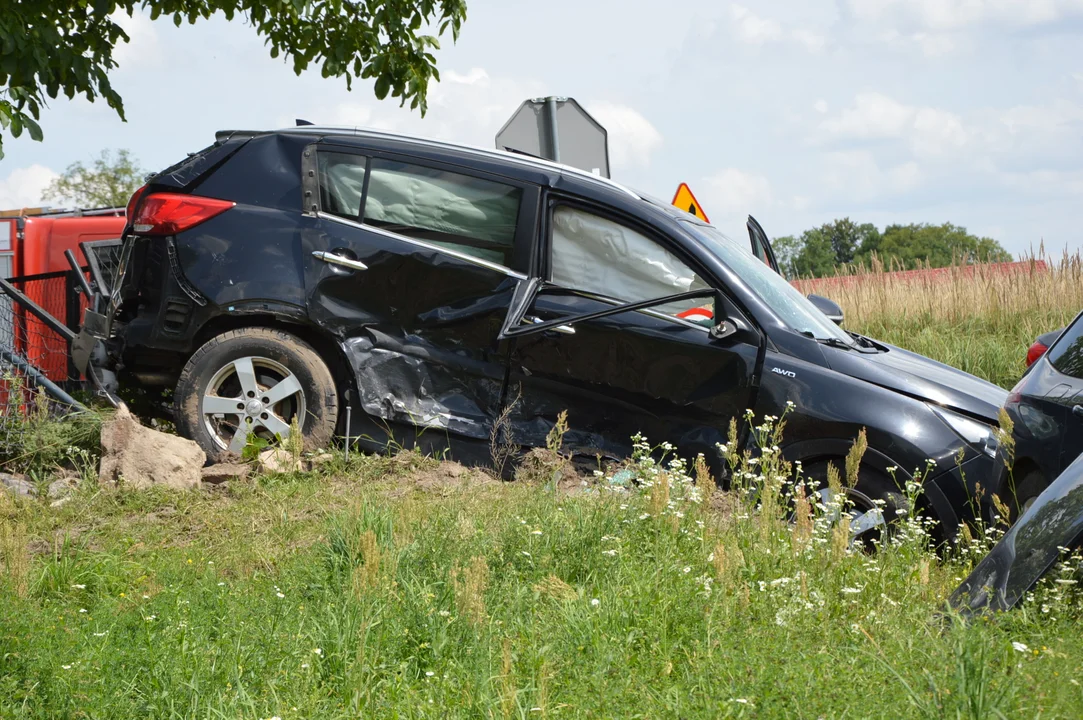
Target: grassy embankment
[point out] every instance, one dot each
(398, 587)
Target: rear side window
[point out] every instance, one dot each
(1067, 352)
(342, 183)
(470, 215)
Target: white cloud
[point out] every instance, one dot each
(632, 138)
(752, 29)
(820, 106)
(23, 187)
(143, 47)
(951, 15)
(465, 107)
(813, 41)
(931, 44)
(733, 192)
(1044, 183)
(856, 176)
(875, 116)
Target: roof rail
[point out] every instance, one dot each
(513, 156)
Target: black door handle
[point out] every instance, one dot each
(1077, 410)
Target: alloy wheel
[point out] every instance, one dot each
(251, 396)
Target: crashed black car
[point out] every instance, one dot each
(449, 296)
(1051, 525)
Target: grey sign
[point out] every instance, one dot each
(557, 129)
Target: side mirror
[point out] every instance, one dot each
(830, 308)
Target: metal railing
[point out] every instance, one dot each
(37, 375)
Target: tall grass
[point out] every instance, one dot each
(651, 599)
(978, 318)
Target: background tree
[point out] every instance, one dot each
(48, 47)
(935, 246)
(108, 182)
(819, 251)
(835, 245)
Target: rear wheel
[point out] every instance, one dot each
(253, 383)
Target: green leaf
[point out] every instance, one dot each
(33, 128)
(383, 83)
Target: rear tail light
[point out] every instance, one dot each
(1036, 351)
(171, 213)
(130, 212)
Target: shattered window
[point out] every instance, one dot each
(463, 213)
(603, 257)
(342, 181)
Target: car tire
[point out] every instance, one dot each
(231, 382)
(871, 487)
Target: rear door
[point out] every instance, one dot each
(412, 265)
(658, 368)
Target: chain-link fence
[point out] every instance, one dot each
(35, 358)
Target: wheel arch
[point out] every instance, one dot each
(931, 500)
(323, 342)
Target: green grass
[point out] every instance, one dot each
(364, 592)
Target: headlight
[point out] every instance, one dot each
(976, 433)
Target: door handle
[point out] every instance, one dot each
(566, 329)
(334, 259)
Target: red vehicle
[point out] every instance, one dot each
(32, 243)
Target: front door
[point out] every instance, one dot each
(413, 267)
(656, 370)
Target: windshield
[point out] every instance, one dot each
(790, 305)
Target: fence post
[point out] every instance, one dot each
(72, 318)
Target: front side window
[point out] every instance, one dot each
(470, 215)
(601, 256)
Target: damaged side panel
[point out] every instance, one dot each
(418, 325)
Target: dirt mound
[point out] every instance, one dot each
(447, 475)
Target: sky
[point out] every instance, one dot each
(795, 111)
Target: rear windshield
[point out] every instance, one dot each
(1067, 352)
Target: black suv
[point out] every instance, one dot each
(450, 296)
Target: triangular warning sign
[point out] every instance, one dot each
(685, 200)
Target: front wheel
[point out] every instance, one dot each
(874, 502)
(253, 383)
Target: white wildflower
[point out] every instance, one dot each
(317, 651)
(595, 602)
(1020, 647)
